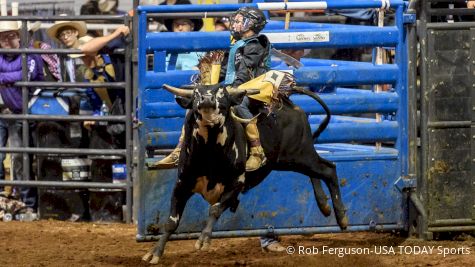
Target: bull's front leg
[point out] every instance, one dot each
(227, 199)
(180, 196)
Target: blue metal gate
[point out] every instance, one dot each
(371, 178)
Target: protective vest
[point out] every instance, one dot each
(231, 67)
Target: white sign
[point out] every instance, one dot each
(299, 37)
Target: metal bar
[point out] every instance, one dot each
(293, 5)
(49, 51)
(192, 15)
(402, 143)
(418, 205)
(451, 228)
(448, 124)
(90, 26)
(72, 18)
(412, 94)
(364, 36)
(128, 129)
(451, 11)
(335, 133)
(327, 75)
(31, 117)
(76, 151)
(451, 222)
(422, 188)
(447, 1)
(281, 231)
(412, 7)
(134, 113)
(450, 26)
(24, 97)
(115, 85)
(317, 19)
(338, 103)
(63, 184)
(139, 81)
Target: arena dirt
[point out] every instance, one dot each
(53, 243)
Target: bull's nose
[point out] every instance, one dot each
(208, 106)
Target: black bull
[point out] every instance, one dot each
(212, 159)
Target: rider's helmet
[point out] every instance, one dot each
(245, 19)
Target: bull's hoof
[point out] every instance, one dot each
(206, 246)
(155, 260)
(202, 245)
(326, 211)
(147, 257)
(344, 223)
(198, 244)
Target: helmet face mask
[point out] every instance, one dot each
(246, 19)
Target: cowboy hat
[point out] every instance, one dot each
(8, 25)
(106, 5)
(80, 26)
(197, 22)
(83, 40)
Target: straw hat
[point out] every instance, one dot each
(80, 26)
(106, 5)
(8, 25)
(83, 40)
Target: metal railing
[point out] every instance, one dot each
(26, 118)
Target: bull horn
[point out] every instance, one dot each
(188, 86)
(235, 91)
(241, 120)
(178, 91)
(252, 91)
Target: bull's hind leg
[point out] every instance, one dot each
(227, 200)
(326, 170)
(321, 197)
(178, 201)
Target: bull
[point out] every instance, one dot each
(212, 159)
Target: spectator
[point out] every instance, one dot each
(221, 24)
(185, 61)
(51, 69)
(11, 72)
(100, 7)
(154, 25)
(67, 33)
(170, 2)
(70, 34)
(91, 7)
(100, 68)
(175, 2)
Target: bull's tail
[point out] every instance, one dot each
(324, 124)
